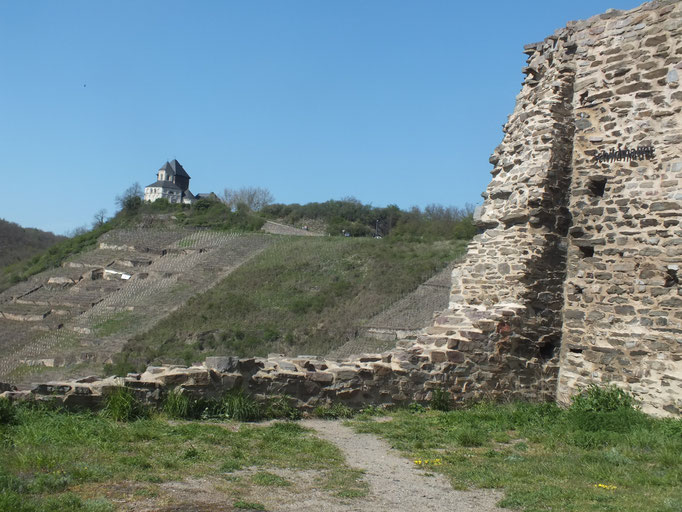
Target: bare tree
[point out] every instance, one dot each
(99, 218)
(81, 230)
(255, 198)
(131, 198)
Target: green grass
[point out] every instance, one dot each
(66, 462)
(266, 479)
(114, 324)
(247, 505)
(22, 370)
(546, 458)
(300, 296)
(121, 405)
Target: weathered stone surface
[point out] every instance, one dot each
(222, 364)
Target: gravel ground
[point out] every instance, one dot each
(396, 483)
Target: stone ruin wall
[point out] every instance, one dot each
(574, 277)
(622, 295)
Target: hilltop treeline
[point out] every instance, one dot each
(351, 216)
(204, 213)
(18, 243)
(338, 217)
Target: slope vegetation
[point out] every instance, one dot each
(302, 295)
(72, 319)
(19, 243)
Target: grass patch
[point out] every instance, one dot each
(114, 324)
(302, 295)
(334, 411)
(233, 405)
(266, 479)
(347, 483)
(54, 460)
(246, 505)
(602, 457)
(22, 370)
(121, 405)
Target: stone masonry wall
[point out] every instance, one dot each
(623, 303)
(574, 278)
(603, 304)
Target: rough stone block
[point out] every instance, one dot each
(223, 364)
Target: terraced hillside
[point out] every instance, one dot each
(404, 319)
(302, 295)
(82, 313)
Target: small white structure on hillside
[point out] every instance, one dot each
(172, 183)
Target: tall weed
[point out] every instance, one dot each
(122, 405)
(237, 405)
(441, 400)
(178, 406)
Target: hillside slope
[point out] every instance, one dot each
(179, 294)
(72, 319)
(404, 319)
(18, 243)
(302, 295)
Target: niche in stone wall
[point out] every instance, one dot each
(597, 186)
(586, 251)
(671, 278)
(548, 349)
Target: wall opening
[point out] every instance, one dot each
(597, 186)
(671, 278)
(548, 350)
(586, 251)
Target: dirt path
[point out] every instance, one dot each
(396, 484)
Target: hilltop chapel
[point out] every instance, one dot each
(172, 183)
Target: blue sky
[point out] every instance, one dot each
(390, 101)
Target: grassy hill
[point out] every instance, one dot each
(161, 215)
(300, 296)
(17, 243)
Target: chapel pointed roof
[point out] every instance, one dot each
(174, 168)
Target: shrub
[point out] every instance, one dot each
(441, 400)
(7, 412)
(416, 408)
(603, 399)
(121, 367)
(121, 405)
(238, 406)
(601, 411)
